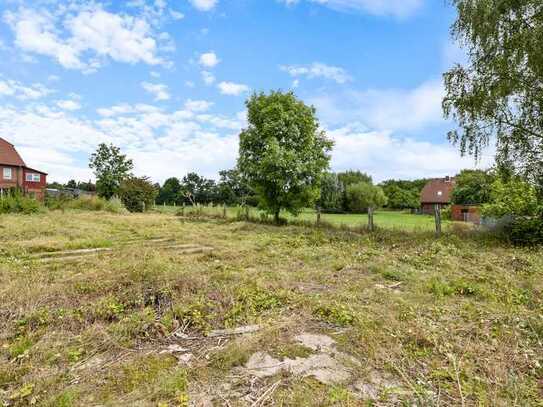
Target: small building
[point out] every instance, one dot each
(437, 191)
(16, 175)
(466, 213)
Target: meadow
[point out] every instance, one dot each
(394, 220)
(130, 310)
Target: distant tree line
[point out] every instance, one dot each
(88, 186)
(231, 189)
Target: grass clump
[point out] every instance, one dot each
(335, 314)
(18, 203)
(88, 203)
(250, 303)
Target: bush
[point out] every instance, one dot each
(525, 231)
(513, 197)
(363, 196)
(87, 203)
(115, 205)
(138, 194)
(446, 213)
(18, 203)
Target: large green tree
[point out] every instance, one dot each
(332, 193)
(472, 187)
(498, 95)
(137, 194)
(111, 168)
(170, 192)
(197, 189)
(232, 189)
(283, 153)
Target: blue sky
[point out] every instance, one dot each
(166, 80)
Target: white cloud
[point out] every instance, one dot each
(384, 109)
(176, 15)
(22, 92)
(165, 144)
(209, 60)
(158, 90)
(125, 109)
(162, 144)
(233, 89)
(208, 78)
(204, 5)
(198, 105)
(84, 39)
(395, 8)
(385, 156)
(71, 105)
(317, 70)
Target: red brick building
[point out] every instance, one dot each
(16, 175)
(436, 191)
(466, 213)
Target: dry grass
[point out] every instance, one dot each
(453, 321)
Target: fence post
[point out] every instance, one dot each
(143, 205)
(370, 219)
(318, 215)
(246, 212)
(224, 211)
(437, 214)
(183, 209)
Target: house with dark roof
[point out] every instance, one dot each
(16, 175)
(436, 192)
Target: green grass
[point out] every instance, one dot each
(451, 321)
(396, 220)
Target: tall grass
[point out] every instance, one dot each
(89, 203)
(18, 203)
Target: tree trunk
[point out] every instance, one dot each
(276, 217)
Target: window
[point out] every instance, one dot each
(7, 173)
(31, 177)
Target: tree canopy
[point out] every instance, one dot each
(472, 187)
(137, 194)
(513, 197)
(498, 96)
(111, 168)
(363, 196)
(283, 152)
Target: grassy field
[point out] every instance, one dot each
(391, 318)
(384, 219)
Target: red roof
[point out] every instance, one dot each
(437, 191)
(10, 156)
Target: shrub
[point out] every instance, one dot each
(115, 205)
(363, 196)
(87, 203)
(446, 213)
(513, 197)
(525, 231)
(18, 203)
(137, 194)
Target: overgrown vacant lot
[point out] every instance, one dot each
(344, 318)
